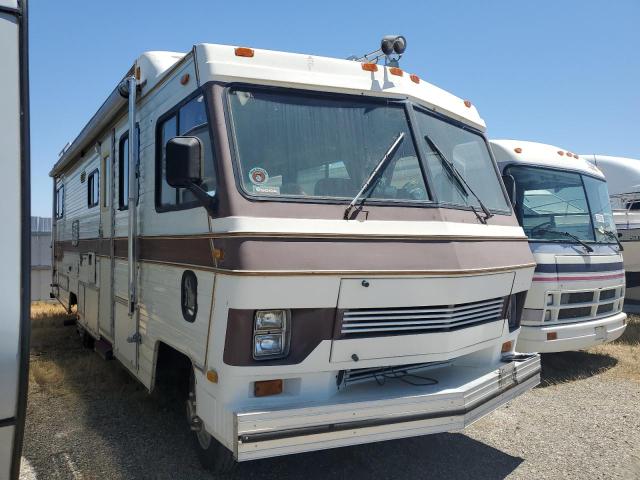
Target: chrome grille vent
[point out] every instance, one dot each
(409, 320)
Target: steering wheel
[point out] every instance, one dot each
(412, 190)
(542, 226)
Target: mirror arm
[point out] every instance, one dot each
(207, 201)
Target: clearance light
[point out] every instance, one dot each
(576, 156)
(184, 79)
(212, 376)
(552, 335)
(517, 150)
(244, 52)
(467, 103)
(560, 152)
(506, 347)
(370, 67)
(267, 387)
(414, 78)
(218, 254)
(396, 71)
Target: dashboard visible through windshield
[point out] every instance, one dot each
(311, 147)
(555, 205)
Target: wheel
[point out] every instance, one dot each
(214, 456)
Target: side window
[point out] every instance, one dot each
(123, 170)
(189, 119)
(60, 202)
(93, 189)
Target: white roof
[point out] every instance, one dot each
(623, 174)
(540, 154)
(267, 67)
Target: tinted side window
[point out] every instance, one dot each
(188, 120)
(93, 189)
(123, 170)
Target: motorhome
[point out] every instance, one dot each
(15, 234)
(325, 244)
(623, 178)
(578, 288)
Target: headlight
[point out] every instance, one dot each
(270, 334)
(270, 319)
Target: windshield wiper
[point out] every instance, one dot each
(586, 246)
(463, 185)
(374, 176)
(610, 234)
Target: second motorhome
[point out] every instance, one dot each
(578, 288)
(325, 245)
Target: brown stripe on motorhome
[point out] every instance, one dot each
(278, 256)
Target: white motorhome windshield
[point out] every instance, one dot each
(321, 146)
(552, 203)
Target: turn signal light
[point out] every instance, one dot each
(244, 52)
(370, 67)
(396, 71)
(507, 347)
(414, 78)
(552, 335)
(212, 376)
(267, 387)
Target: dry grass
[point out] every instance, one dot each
(626, 350)
(60, 365)
(620, 359)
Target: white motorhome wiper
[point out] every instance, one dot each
(610, 234)
(586, 246)
(464, 186)
(374, 176)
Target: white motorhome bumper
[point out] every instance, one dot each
(462, 395)
(572, 336)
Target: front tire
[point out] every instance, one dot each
(213, 456)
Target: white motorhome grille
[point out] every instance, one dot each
(409, 320)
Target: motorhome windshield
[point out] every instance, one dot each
(325, 147)
(554, 205)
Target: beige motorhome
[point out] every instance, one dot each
(322, 248)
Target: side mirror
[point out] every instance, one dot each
(184, 169)
(510, 185)
(184, 162)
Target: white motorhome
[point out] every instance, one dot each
(623, 178)
(291, 229)
(578, 288)
(15, 235)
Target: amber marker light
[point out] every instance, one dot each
(396, 71)
(370, 67)
(267, 387)
(560, 152)
(552, 335)
(414, 78)
(212, 376)
(517, 150)
(244, 52)
(467, 103)
(184, 79)
(218, 254)
(507, 346)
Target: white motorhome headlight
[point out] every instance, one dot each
(270, 334)
(270, 319)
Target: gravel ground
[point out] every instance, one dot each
(87, 419)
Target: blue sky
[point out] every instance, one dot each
(565, 73)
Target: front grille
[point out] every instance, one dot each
(576, 297)
(607, 307)
(566, 313)
(607, 294)
(407, 320)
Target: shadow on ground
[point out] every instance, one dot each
(569, 366)
(96, 422)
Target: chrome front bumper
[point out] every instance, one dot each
(370, 412)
